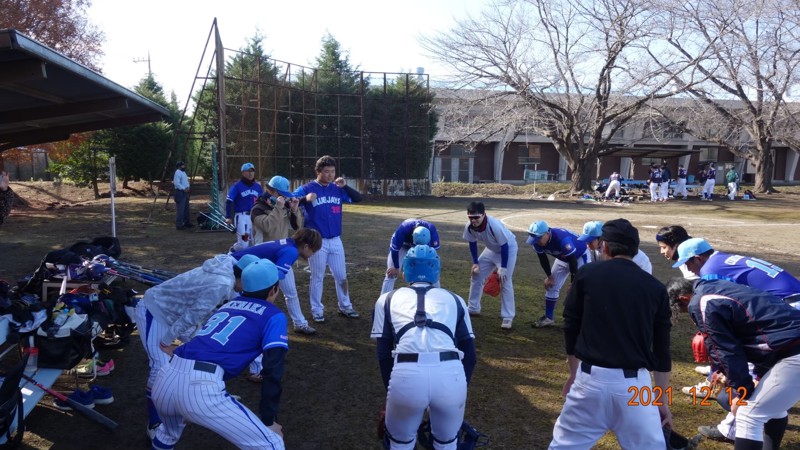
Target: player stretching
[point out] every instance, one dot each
(570, 254)
(323, 212)
(176, 308)
(500, 254)
(426, 353)
(241, 198)
(191, 388)
(411, 232)
(744, 324)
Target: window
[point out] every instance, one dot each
(529, 154)
(648, 161)
(709, 154)
(661, 129)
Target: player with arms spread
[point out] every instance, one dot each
(426, 353)
(191, 388)
(411, 232)
(570, 254)
(323, 212)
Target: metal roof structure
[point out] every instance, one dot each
(45, 96)
(647, 152)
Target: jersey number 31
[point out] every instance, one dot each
(230, 325)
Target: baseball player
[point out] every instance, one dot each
(183, 217)
(705, 262)
(608, 363)
(570, 254)
(655, 182)
(276, 214)
(592, 231)
(710, 175)
(241, 198)
(411, 232)
(176, 308)
(191, 388)
(680, 183)
(744, 324)
(668, 239)
(6, 197)
(733, 183)
(323, 212)
(500, 254)
(613, 185)
(426, 353)
(666, 175)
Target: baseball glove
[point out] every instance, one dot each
(492, 286)
(699, 348)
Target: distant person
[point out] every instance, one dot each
(276, 214)
(732, 178)
(711, 181)
(613, 185)
(180, 181)
(241, 198)
(6, 197)
(680, 184)
(666, 176)
(654, 176)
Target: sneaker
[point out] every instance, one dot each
(543, 321)
(319, 318)
(304, 329)
(152, 429)
(711, 432)
(349, 312)
(82, 397)
(101, 395)
(506, 325)
(700, 390)
(103, 369)
(474, 313)
(703, 370)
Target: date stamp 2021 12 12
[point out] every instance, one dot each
(656, 396)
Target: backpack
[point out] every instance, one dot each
(11, 404)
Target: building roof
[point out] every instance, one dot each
(45, 96)
(647, 152)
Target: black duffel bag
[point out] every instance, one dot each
(63, 347)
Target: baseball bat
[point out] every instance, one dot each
(90, 413)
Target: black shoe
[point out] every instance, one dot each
(711, 432)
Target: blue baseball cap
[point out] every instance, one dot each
(536, 231)
(259, 275)
(248, 166)
(591, 231)
(281, 185)
(246, 260)
(691, 248)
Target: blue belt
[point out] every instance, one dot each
(414, 357)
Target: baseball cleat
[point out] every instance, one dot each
(712, 432)
(700, 390)
(703, 370)
(474, 313)
(319, 318)
(543, 321)
(349, 312)
(506, 325)
(305, 329)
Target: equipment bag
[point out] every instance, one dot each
(62, 347)
(11, 404)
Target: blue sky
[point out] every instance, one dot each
(379, 35)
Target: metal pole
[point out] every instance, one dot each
(112, 175)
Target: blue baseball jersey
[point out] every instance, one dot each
(655, 176)
(236, 334)
(562, 244)
(325, 213)
(242, 197)
(403, 236)
(711, 173)
(751, 272)
(282, 252)
(681, 172)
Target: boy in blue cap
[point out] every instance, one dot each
(241, 198)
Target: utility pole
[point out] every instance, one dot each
(147, 60)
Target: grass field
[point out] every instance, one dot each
(332, 388)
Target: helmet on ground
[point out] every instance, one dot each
(421, 264)
(421, 235)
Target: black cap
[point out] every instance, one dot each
(180, 163)
(621, 231)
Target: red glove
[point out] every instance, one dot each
(492, 286)
(699, 348)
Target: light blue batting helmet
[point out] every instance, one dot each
(421, 235)
(421, 264)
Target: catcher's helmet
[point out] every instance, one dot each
(421, 235)
(421, 264)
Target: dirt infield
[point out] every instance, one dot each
(332, 390)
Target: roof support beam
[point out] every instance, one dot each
(63, 110)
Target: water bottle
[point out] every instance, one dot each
(33, 357)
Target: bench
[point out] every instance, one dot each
(30, 393)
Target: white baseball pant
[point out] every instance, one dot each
(777, 391)
(413, 387)
(244, 227)
(331, 255)
(184, 394)
(664, 190)
(151, 331)
(560, 272)
(708, 188)
(598, 403)
(680, 188)
(488, 261)
(732, 190)
(388, 283)
(613, 186)
(654, 192)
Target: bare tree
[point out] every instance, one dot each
(580, 68)
(749, 52)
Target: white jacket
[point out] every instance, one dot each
(186, 301)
